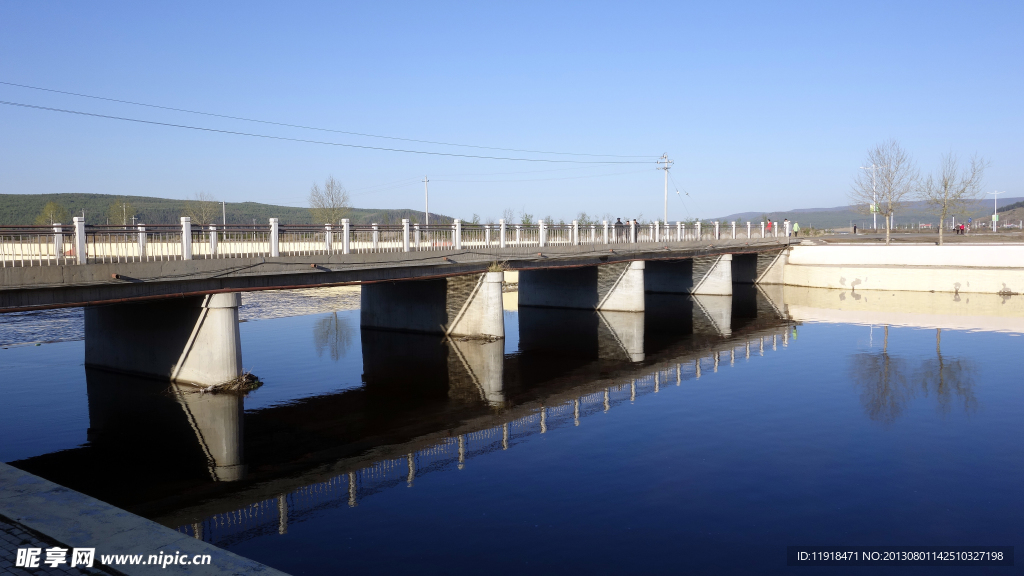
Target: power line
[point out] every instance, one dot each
(307, 127)
(305, 141)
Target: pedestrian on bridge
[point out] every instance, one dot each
(618, 230)
(796, 228)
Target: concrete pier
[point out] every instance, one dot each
(701, 275)
(717, 280)
(615, 287)
(457, 306)
(193, 340)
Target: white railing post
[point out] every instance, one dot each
(787, 230)
(376, 235)
(416, 235)
(748, 230)
(405, 234)
(501, 239)
(58, 242)
(593, 233)
(458, 234)
(275, 238)
(657, 231)
(213, 239)
(575, 232)
(345, 236)
(775, 229)
(679, 231)
(733, 229)
(80, 239)
(519, 233)
(632, 231)
(605, 222)
(541, 235)
(487, 235)
(328, 238)
(186, 238)
(142, 241)
(718, 235)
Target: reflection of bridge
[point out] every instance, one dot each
(350, 481)
(189, 447)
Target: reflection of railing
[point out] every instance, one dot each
(348, 488)
(81, 244)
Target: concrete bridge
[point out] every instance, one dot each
(164, 302)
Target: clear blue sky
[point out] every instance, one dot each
(763, 106)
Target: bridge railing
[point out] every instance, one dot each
(60, 244)
(46, 245)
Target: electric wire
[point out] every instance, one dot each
(307, 141)
(270, 122)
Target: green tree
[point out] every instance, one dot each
(121, 212)
(53, 213)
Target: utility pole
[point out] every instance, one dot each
(426, 198)
(874, 197)
(995, 209)
(664, 164)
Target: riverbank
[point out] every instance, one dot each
(41, 512)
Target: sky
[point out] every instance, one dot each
(761, 106)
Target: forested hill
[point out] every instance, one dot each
(22, 209)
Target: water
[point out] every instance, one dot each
(373, 451)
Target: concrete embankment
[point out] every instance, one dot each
(75, 520)
(980, 268)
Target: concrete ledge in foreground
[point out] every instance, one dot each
(80, 521)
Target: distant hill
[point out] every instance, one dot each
(842, 216)
(22, 209)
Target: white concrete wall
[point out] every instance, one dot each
(973, 256)
(983, 269)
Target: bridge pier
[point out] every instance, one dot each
(614, 287)
(713, 314)
(456, 306)
(193, 340)
(701, 275)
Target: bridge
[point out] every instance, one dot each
(163, 300)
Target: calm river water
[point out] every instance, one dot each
(555, 451)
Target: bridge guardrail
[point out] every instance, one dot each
(60, 244)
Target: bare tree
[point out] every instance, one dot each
(509, 215)
(202, 208)
(329, 204)
(895, 179)
(121, 212)
(53, 213)
(953, 188)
